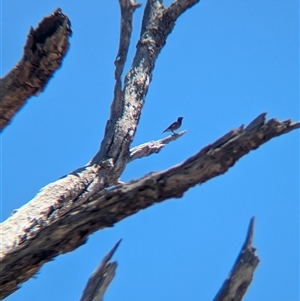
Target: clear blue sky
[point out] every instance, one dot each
(224, 63)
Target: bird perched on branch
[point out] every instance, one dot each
(174, 126)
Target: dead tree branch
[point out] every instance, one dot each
(234, 287)
(45, 48)
(106, 166)
(240, 277)
(63, 214)
(149, 148)
(63, 228)
(101, 278)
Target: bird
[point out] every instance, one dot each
(174, 126)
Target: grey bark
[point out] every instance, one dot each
(63, 225)
(240, 277)
(62, 215)
(101, 278)
(233, 288)
(106, 166)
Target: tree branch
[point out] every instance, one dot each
(44, 51)
(127, 8)
(105, 167)
(149, 148)
(64, 213)
(240, 277)
(101, 278)
(63, 228)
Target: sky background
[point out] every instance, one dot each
(224, 63)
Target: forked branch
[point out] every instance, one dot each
(64, 213)
(105, 168)
(62, 229)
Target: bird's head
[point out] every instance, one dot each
(179, 119)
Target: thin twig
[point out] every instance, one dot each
(152, 147)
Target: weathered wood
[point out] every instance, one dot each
(101, 277)
(105, 168)
(64, 213)
(63, 228)
(240, 277)
(152, 147)
(45, 48)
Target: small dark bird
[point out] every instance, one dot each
(174, 126)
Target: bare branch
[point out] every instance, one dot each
(73, 190)
(62, 228)
(127, 9)
(149, 148)
(64, 213)
(44, 50)
(236, 285)
(125, 114)
(178, 7)
(101, 278)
